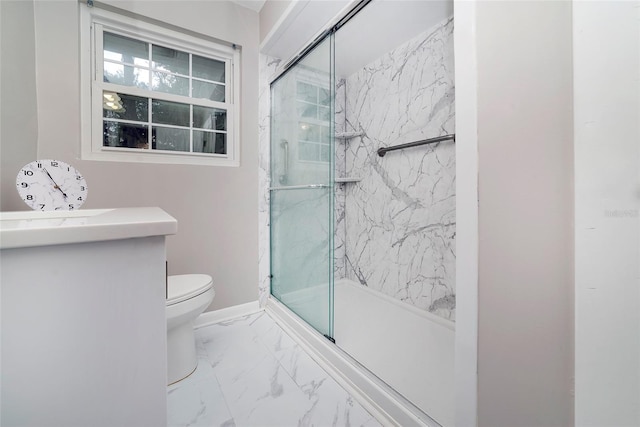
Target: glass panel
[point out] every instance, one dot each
(126, 135)
(209, 118)
(309, 132)
(301, 218)
(324, 114)
(308, 151)
(206, 90)
(171, 60)
(307, 110)
(209, 142)
(125, 107)
(324, 97)
(126, 75)
(125, 49)
(325, 153)
(170, 139)
(169, 83)
(170, 113)
(300, 253)
(307, 92)
(208, 69)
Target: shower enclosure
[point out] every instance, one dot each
(362, 196)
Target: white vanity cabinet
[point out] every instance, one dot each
(83, 327)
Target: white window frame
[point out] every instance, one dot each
(93, 22)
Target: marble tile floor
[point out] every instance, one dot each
(251, 373)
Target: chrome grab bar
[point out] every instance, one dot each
(385, 150)
(285, 147)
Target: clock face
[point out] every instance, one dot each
(48, 185)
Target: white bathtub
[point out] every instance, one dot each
(411, 351)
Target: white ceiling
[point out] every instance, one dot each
(378, 28)
(251, 4)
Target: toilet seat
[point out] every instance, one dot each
(186, 286)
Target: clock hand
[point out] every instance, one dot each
(56, 186)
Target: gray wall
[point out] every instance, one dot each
(606, 46)
(216, 207)
(525, 143)
(18, 103)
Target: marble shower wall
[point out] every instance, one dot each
(400, 219)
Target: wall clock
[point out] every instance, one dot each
(48, 185)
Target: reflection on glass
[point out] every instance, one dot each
(308, 151)
(126, 75)
(308, 111)
(170, 113)
(325, 152)
(169, 83)
(206, 90)
(209, 118)
(324, 114)
(324, 97)
(125, 107)
(308, 132)
(208, 69)
(126, 50)
(125, 135)
(170, 139)
(209, 142)
(170, 60)
(307, 92)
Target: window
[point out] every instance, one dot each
(156, 95)
(314, 112)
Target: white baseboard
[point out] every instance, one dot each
(216, 316)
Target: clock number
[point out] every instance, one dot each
(70, 207)
(80, 198)
(28, 173)
(41, 206)
(24, 185)
(54, 164)
(39, 165)
(82, 188)
(29, 197)
(78, 177)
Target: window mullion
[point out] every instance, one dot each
(150, 103)
(191, 128)
(191, 106)
(149, 125)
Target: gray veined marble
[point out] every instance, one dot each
(250, 373)
(399, 221)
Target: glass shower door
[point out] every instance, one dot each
(302, 147)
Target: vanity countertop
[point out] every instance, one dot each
(34, 228)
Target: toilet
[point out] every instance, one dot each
(188, 295)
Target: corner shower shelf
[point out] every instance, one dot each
(348, 179)
(348, 135)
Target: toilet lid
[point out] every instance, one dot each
(185, 286)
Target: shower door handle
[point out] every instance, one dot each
(285, 148)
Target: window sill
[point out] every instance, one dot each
(159, 158)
